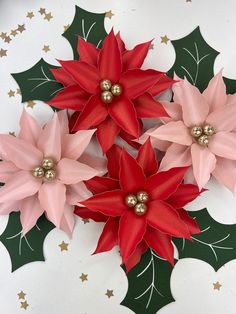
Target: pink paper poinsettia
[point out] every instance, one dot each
(201, 132)
(43, 170)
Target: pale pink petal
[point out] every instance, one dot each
(224, 172)
(173, 109)
(76, 193)
(7, 208)
(73, 145)
(189, 177)
(156, 143)
(21, 184)
(176, 156)
(68, 220)
(203, 164)
(72, 171)
(63, 121)
(223, 144)
(52, 197)
(223, 119)
(231, 99)
(174, 131)
(29, 128)
(97, 163)
(215, 93)
(194, 105)
(30, 211)
(50, 139)
(7, 168)
(24, 155)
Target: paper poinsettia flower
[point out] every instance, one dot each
(200, 132)
(141, 206)
(109, 91)
(43, 170)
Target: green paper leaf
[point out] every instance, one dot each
(230, 85)
(194, 59)
(28, 248)
(89, 26)
(149, 285)
(215, 245)
(38, 83)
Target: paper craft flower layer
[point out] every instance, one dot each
(43, 169)
(141, 206)
(201, 132)
(109, 91)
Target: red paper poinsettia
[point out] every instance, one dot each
(109, 91)
(141, 206)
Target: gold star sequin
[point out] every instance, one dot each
(30, 104)
(109, 293)
(85, 220)
(188, 0)
(18, 91)
(14, 134)
(3, 35)
(11, 93)
(21, 28)
(42, 11)
(109, 14)
(48, 16)
(164, 39)
(66, 27)
(217, 286)
(24, 305)
(3, 53)
(46, 48)
(7, 39)
(14, 32)
(63, 246)
(30, 15)
(21, 295)
(84, 277)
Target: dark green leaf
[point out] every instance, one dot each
(230, 85)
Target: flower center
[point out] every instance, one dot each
(109, 91)
(138, 202)
(45, 170)
(202, 134)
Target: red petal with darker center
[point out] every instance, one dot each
(163, 84)
(63, 77)
(185, 194)
(106, 133)
(136, 256)
(85, 213)
(120, 42)
(147, 158)
(129, 139)
(101, 184)
(113, 161)
(87, 52)
(189, 221)
(147, 107)
(73, 122)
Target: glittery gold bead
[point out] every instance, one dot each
(196, 131)
(50, 174)
(142, 197)
(131, 200)
(140, 209)
(208, 130)
(37, 172)
(105, 85)
(47, 163)
(116, 89)
(106, 97)
(203, 140)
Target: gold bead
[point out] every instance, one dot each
(116, 89)
(37, 172)
(105, 85)
(142, 197)
(131, 200)
(50, 174)
(203, 140)
(107, 97)
(208, 130)
(47, 163)
(196, 131)
(140, 209)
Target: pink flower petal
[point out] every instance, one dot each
(223, 144)
(29, 128)
(9, 207)
(223, 119)
(97, 163)
(68, 220)
(63, 121)
(225, 174)
(173, 109)
(7, 168)
(76, 193)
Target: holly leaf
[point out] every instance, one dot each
(215, 245)
(89, 26)
(149, 285)
(38, 83)
(230, 85)
(26, 249)
(194, 59)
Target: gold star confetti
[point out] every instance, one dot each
(11, 93)
(164, 39)
(85, 220)
(14, 134)
(151, 47)
(14, 32)
(30, 104)
(217, 286)
(84, 277)
(109, 293)
(48, 16)
(46, 48)
(109, 14)
(18, 91)
(188, 0)
(3, 53)
(7, 39)
(3, 35)
(63, 246)
(66, 27)
(24, 305)
(42, 11)
(21, 294)
(30, 15)
(21, 28)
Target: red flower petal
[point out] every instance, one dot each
(163, 84)
(62, 77)
(136, 256)
(147, 107)
(160, 243)
(134, 58)
(109, 60)
(132, 178)
(129, 139)
(165, 183)
(120, 42)
(113, 161)
(85, 213)
(87, 52)
(106, 133)
(109, 203)
(136, 82)
(101, 184)
(189, 221)
(73, 122)
(185, 194)
(109, 236)
(124, 114)
(131, 231)
(163, 217)
(147, 158)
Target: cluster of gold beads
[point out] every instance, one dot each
(109, 91)
(45, 170)
(138, 202)
(202, 134)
